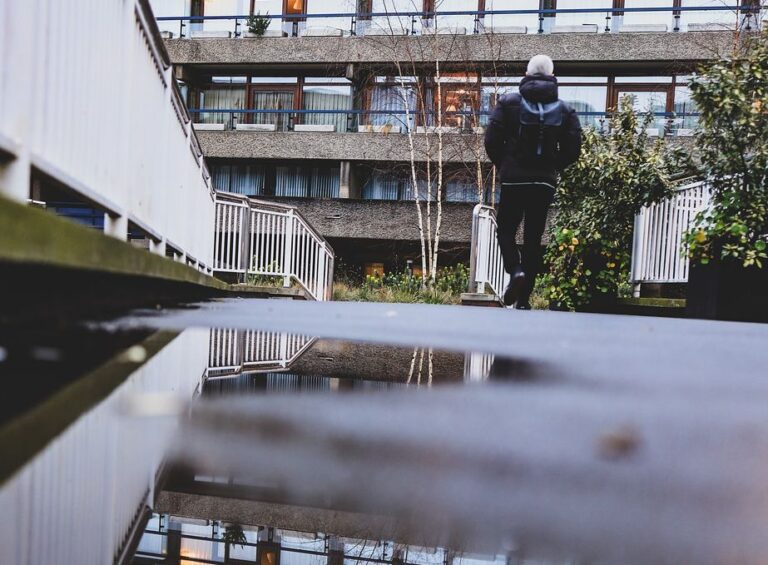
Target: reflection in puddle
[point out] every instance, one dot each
(176, 539)
(195, 448)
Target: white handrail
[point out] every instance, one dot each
(129, 152)
(234, 351)
(263, 238)
(486, 267)
(658, 251)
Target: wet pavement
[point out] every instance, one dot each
(256, 431)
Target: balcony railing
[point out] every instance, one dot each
(746, 16)
(666, 123)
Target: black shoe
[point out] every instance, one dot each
(522, 305)
(515, 286)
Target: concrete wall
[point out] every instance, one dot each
(641, 49)
(343, 146)
(382, 219)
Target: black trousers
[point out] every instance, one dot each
(518, 202)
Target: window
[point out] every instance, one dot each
(225, 94)
(684, 104)
(327, 94)
(710, 19)
(249, 180)
(664, 18)
(273, 100)
(586, 100)
(388, 101)
(591, 19)
(312, 182)
(291, 7)
(501, 23)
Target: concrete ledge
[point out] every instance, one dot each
(506, 30)
(480, 299)
(653, 52)
(250, 290)
(33, 236)
(336, 146)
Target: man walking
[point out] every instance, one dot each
(530, 138)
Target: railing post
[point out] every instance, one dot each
(475, 248)
(237, 27)
(637, 252)
(288, 249)
(322, 276)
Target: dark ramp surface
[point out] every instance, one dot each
(630, 440)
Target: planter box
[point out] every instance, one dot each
(444, 31)
(321, 32)
(379, 129)
(724, 290)
(315, 127)
(584, 28)
(210, 34)
(268, 33)
(506, 30)
(644, 28)
(208, 127)
(711, 27)
(166, 34)
(683, 132)
(256, 127)
(434, 129)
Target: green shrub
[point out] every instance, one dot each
(732, 98)
(618, 173)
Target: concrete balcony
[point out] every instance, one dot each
(639, 50)
(360, 147)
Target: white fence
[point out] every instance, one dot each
(260, 238)
(233, 351)
(88, 98)
(486, 267)
(78, 499)
(658, 253)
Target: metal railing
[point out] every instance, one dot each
(658, 251)
(233, 351)
(229, 118)
(409, 22)
(262, 238)
(486, 267)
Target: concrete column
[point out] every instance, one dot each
(349, 187)
(157, 247)
(15, 177)
(116, 226)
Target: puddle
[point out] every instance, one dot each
(361, 442)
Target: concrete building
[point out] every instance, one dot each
(317, 110)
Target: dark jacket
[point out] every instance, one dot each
(503, 131)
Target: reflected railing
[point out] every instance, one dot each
(746, 16)
(233, 351)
